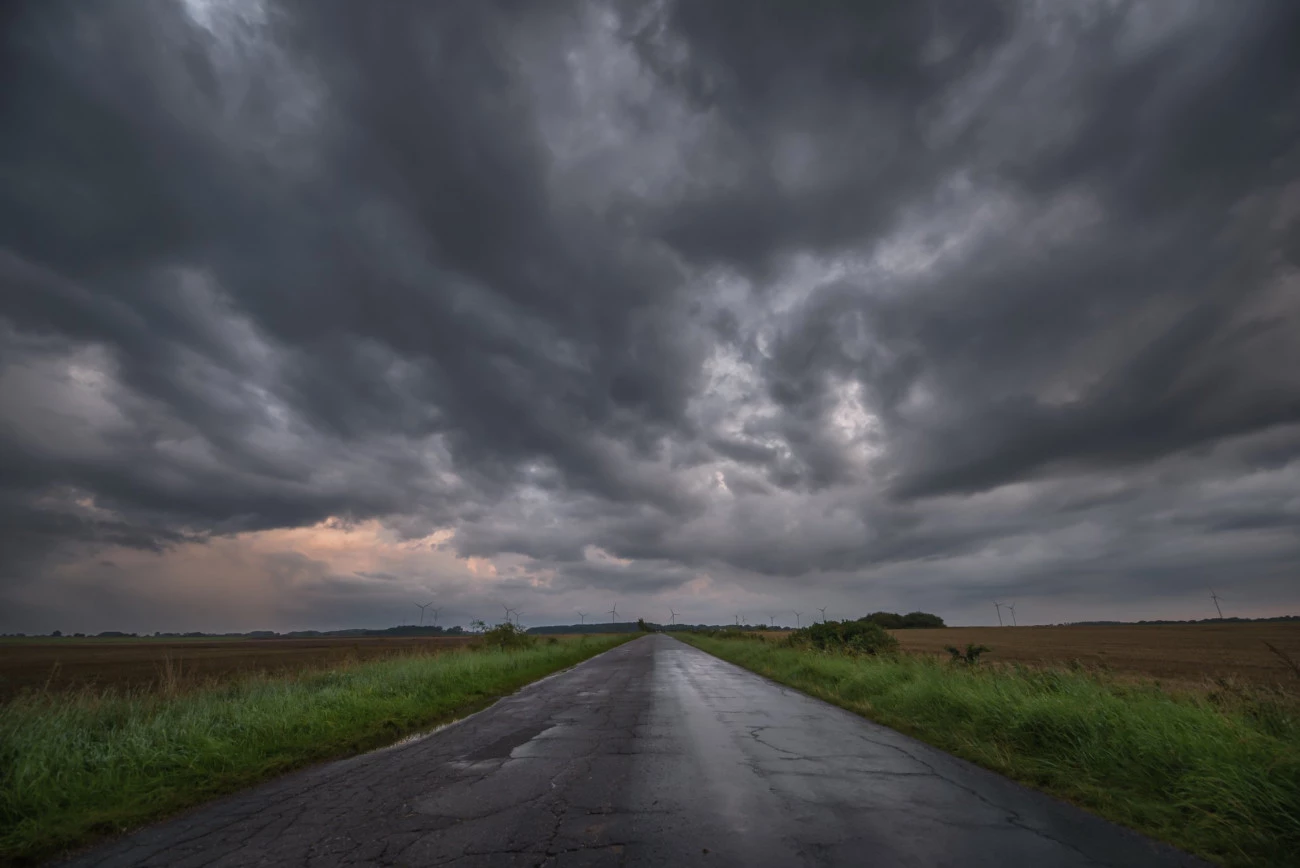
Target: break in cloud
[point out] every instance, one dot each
(312, 309)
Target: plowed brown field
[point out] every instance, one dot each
(63, 664)
(1187, 653)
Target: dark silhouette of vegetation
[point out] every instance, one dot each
(910, 621)
(970, 656)
(1286, 658)
(508, 636)
(1277, 619)
(596, 628)
(845, 637)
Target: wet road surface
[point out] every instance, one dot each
(654, 753)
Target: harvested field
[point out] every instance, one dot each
(69, 664)
(1182, 653)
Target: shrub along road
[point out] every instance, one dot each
(653, 753)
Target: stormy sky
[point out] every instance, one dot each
(314, 309)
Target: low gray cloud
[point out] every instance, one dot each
(906, 304)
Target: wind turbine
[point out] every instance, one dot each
(436, 610)
(771, 620)
(998, 606)
(737, 619)
(509, 612)
(517, 614)
(674, 616)
(1012, 607)
(1215, 597)
(798, 619)
(613, 614)
(422, 607)
(823, 611)
(582, 616)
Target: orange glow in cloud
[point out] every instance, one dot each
(481, 567)
(234, 578)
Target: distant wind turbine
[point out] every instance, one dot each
(613, 614)
(422, 607)
(823, 611)
(798, 619)
(771, 620)
(1012, 607)
(998, 606)
(674, 616)
(436, 610)
(509, 612)
(583, 617)
(1216, 598)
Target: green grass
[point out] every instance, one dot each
(1217, 774)
(76, 767)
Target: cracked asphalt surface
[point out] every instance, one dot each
(653, 753)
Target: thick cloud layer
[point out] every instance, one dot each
(721, 304)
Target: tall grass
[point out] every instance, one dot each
(1216, 773)
(77, 766)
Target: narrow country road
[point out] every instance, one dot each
(651, 754)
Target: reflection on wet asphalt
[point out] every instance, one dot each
(654, 753)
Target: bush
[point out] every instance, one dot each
(921, 621)
(845, 637)
(507, 636)
(970, 656)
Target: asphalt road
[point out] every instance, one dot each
(651, 754)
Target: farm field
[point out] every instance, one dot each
(1182, 653)
(69, 664)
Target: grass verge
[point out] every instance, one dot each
(1217, 774)
(76, 767)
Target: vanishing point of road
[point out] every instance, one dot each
(654, 753)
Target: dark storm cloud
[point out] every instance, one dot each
(1165, 146)
(836, 91)
(748, 290)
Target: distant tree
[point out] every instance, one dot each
(478, 625)
(641, 625)
(57, 633)
(894, 621)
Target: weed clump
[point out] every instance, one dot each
(844, 637)
(971, 656)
